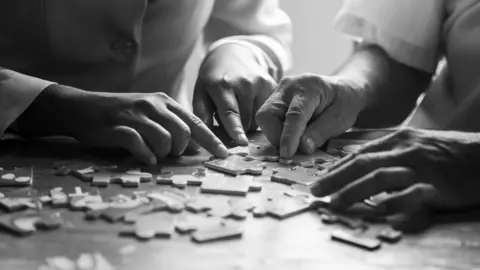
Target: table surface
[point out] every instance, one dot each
(301, 242)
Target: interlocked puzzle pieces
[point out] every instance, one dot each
(222, 184)
(182, 180)
(295, 175)
(16, 177)
(236, 165)
(102, 177)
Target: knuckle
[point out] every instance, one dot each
(144, 103)
(361, 161)
(195, 120)
(231, 113)
(162, 96)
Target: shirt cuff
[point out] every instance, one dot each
(276, 60)
(17, 92)
(402, 51)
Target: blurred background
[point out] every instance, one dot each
(317, 48)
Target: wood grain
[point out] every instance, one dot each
(298, 243)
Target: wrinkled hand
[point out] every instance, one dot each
(306, 110)
(233, 85)
(149, 126)
(418, 168)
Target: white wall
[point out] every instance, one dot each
(317, 47)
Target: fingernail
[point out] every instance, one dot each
(311, 145)
(242, 139)
(222, 151)
(153, 160)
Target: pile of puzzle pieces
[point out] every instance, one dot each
(206, 217)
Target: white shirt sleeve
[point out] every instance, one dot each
(408, 30)
(17, 92)
(258, 24)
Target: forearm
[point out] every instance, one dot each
(389, 89)
(53, 112)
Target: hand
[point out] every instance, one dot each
(149, 126)
(232, 84)
(306, 110)
(418, 168)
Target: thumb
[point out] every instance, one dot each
(328, 124)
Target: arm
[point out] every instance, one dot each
(17, 92)
(248, 53)
(259, 24)
(390, 89)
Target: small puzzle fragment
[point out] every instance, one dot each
(390, 235)
(217, 233)
(288, 207)
(236, 165)
(239, 150)
(17, 177)
(118, 209)
(334, 218)
(295, 175)
(174, 203)
(356, 240)
(16, 204)
(59, 198)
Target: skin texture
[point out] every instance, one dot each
(150, 126)
(370, 90)
(418, 168)
(232, 85)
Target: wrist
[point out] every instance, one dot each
(359, 88)
(50, 113)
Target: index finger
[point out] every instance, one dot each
(354, 169)
(199, 131)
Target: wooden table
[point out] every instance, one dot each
(301, 242)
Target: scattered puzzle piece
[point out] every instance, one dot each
(16, 177)
(221, 184)
(239, 150)
(151, 226)
(59, 198)
(335, 218)
(16, 204)
(174, 203)
(295, 175)
(356, 240)
(118, 209)
(27, 223)
(236, 165)
(83, 202)
(390, 235)
(288, 207)
(217, 233)
(201, 204)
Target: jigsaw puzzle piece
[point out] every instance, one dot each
(16, 204)
(174, 203)
(150, 207)
(190, 224)
(295, 175)
(236, 165)
(201, 204)
(356, 240)
(218, 232)
(265, 152)
(239, 150)
(118, 209)
(288, 207)
(226, 185)
(151, 226)
(17, 177)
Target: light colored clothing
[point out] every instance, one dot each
(420, 34)
(125, 46)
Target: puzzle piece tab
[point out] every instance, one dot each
(295, 175)
(17, 177)
(236, 165)
(217, 233)
(356, 240)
